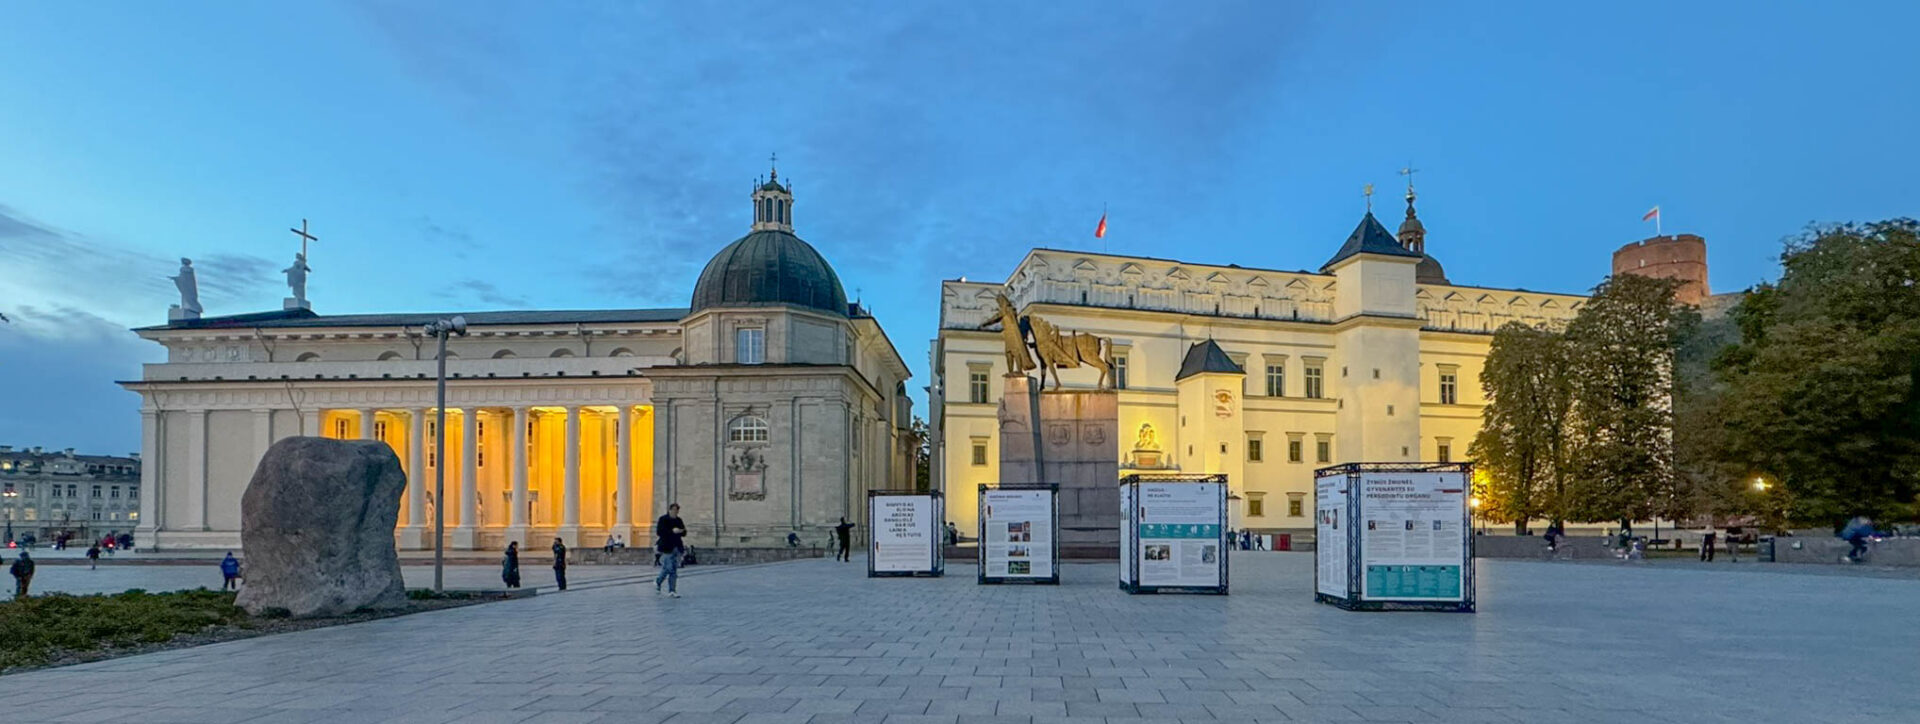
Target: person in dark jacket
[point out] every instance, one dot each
(230, 570)
(843, 533)
(560, 563)
(22, 571)
(510, 566)
(93, 557)
(669, 535)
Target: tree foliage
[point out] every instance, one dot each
(1821, 388)
(1622, 345)
(1522, 444)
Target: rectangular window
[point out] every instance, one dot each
(750, 346)
(1445, 450)
(380, 430)
(1256, 508)
(96, 515)
(1449, 386)
(340, 428)
(980, 452)
(56, 491)
(977, 386)
(132, 493)
(27, 490)
(114, 493)
(73, 491)
(1316, 376)
(1294, 445)
(1277, 380)
(1323, 448)
(480, 443)
(96, 491)
(1294, 507)
(1120, 372)
(1240, 361)
(1253, 449)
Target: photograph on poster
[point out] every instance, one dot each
(1209, 554)
(1021, 532)
(1159, 552)
(1019, 568)
(1016, 551)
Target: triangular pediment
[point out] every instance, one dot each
(1131, 268)
(1454, 297)
(1217, 278)
(1297, 283)
(1178, 273)
(1085, 266)
(1486, 299)
(1258, 282)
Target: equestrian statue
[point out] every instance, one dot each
(1056, 349)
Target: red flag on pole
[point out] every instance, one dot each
(1651, 214)
(1100, 232)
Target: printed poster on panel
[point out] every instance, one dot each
(1413, 539)
(1180, 531)
(1018, 534)
(903, 533)
(1127, 546)
(1330, 535)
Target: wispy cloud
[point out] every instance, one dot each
(482, 292)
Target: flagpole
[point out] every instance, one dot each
(1103, 219)
(1656, 222)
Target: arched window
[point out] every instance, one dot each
(504, 354)
(621, 352)
(747, 428)
(562, 352)
(308, 357)
(389, 355)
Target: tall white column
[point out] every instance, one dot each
(465, 534)
(517, 517)
(196, 470)
(570, 503)
(414, 535)
(623, 484)
(151, 470)
(366, 423)
(310, 423)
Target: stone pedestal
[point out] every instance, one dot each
(1071, 438)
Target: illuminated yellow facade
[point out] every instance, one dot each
(1376, 358)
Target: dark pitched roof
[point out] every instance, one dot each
(1370, 238)
(1205, 357)
(307, 318)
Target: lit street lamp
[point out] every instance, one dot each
(1760, 484)
(1474, 504)
(440, 330)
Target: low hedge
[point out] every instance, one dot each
(35, 630)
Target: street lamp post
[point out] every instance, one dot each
(10, 494)
(441, 330)
(1473, 512)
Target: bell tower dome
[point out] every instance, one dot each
(773, 204)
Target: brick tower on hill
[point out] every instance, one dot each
(1678, 256)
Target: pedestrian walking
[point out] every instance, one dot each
(22, 571)
(510, 566)
(1707, 546)
(668, 532)
(843, 533)
(1733, 546)
(93, 557)
(560, 563)
(230, 571)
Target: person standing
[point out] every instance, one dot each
(843, 534)
(93, 557)
(22, 571)
(560, 563)
(510, 566)
(230, 570)
(669, 531)
(1707, 543)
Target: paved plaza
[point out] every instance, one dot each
(818, 641)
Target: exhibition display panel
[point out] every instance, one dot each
(1394, 536)
(906, 533)
(1173, 535)
(1019, 541)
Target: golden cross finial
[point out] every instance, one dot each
(1408, 171)
(1368, 190)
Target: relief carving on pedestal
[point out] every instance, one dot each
(747, 471)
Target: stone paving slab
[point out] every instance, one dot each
(817, 641)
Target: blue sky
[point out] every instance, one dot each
(460, 156)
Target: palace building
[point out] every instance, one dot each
(769, 405)
(1258, 373)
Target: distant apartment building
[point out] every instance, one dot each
(48, 492)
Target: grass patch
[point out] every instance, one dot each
(36, 630)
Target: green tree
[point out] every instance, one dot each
(922, 455)
(1705, 482)
(1621, 345)
(1523, 442)
(1821, 390)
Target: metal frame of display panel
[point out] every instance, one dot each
(1130, 533)
(1356, 600)
(937, 538)
(1053, 497)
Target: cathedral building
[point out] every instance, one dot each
(769, 405)
(1258, 373)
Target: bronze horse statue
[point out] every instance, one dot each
(1055, 349)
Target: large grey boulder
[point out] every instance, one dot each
(317, 527)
